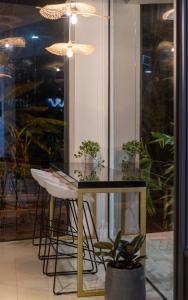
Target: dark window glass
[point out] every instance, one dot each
(142, 127)
(33, 97)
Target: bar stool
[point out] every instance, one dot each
(58, 228)
(42, 203)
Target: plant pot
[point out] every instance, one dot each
(124, 284)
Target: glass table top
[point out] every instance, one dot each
(84, 175)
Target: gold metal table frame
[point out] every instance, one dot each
(142, 216)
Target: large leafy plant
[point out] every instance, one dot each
(46, 133)
(158, 173)
(121, 254)
(34, 132)
(133, 148)
(166, 143)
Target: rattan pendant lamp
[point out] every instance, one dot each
(70, 48)
(69, 9)
(12, 42)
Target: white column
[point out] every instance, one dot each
(125, 60)
(125, 99)
(88, 96)
(88, 93)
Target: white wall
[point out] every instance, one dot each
(88, 117)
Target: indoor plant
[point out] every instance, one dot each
(90, 152)
(125, 279)
(133, 148)
(156, 161)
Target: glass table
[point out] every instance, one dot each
(93, 179)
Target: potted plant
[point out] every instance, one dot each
(131, 151)
(125, 278)
(90, 152)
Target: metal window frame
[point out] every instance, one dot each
(181, 155)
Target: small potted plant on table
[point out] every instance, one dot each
(125, 279)
(90, 151)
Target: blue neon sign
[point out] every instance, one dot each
(57, 102)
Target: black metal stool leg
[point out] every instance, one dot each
(59, 227)
(43, 221)
(93, 260)
(36, 218)
(56, 257)
(86, 242)
(96, 234)
(49, 233)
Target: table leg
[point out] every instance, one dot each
(94, 212)
(80, 245)
(143, 218)
(80, 291)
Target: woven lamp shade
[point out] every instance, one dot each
(13, 41)
(62, 48)
(57, 11)
(169, 15)
(2, 75)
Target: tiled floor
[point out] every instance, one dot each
(21, 277)
(160, 262)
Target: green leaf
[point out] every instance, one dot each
(137, 243)
(103, 245)
(117, 240)
(162, 139)
(42, 146)
(140, 258)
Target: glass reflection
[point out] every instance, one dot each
(32, 128)
(142, 126)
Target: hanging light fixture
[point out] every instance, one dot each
(73, 19)
(69, 9)
(169, 15)
(12, 42)
(3, 75)
(70, 48)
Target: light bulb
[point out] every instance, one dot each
(173, 49)
(7, 45)
(70, 53)
(73, 19)
(35, 37)
(68, 12)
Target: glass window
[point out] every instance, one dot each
(142, 126)
(33, 107)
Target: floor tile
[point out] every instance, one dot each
(8, 292)
(8, 274)
(21, 275)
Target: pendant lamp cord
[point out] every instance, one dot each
(69, 30)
